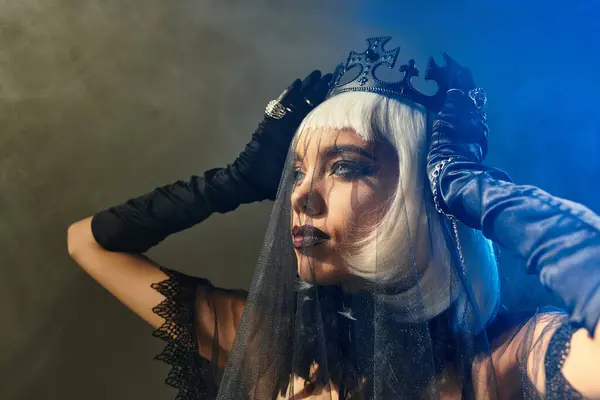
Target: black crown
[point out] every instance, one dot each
(374, 57)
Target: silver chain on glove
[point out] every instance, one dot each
(434, 181)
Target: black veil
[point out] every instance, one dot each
(411, 326)
(365, 288)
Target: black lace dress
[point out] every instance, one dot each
(195, 377)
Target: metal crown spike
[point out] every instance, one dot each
(375, 56)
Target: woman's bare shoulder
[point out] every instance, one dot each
(548, 353)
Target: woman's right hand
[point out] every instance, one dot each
(144, 221)
(257, 170)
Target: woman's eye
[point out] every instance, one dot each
(298, 175)
(351, 170)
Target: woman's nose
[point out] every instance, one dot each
(307, 198)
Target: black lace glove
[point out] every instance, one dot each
(142, 222)
(558, 239)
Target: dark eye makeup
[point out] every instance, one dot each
(352, 170)
(345, 169)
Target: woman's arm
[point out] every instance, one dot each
(127, 276)
(558, 239)
(553, 337)
(130, 278)
(195, 318)
(144, 221)
(557, 362)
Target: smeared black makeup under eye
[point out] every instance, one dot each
(351, 170)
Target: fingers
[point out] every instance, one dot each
(294, 94)
(317, 93)
(461, 77)
(306, 94)
(293, 88)
(310, 81)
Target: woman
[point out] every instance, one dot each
(367, 285)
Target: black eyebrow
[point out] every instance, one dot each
(340, 149)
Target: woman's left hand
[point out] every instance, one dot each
(460, 129)
(459, 136)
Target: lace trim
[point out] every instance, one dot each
(190, 373)
(557, 387)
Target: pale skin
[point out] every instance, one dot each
(346, 187)
(342, 184)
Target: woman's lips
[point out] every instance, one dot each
(303, 242)
(306, 236)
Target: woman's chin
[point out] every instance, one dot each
(320, 273)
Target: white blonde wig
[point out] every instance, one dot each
(409, 248)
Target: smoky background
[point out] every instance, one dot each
(105, 100)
